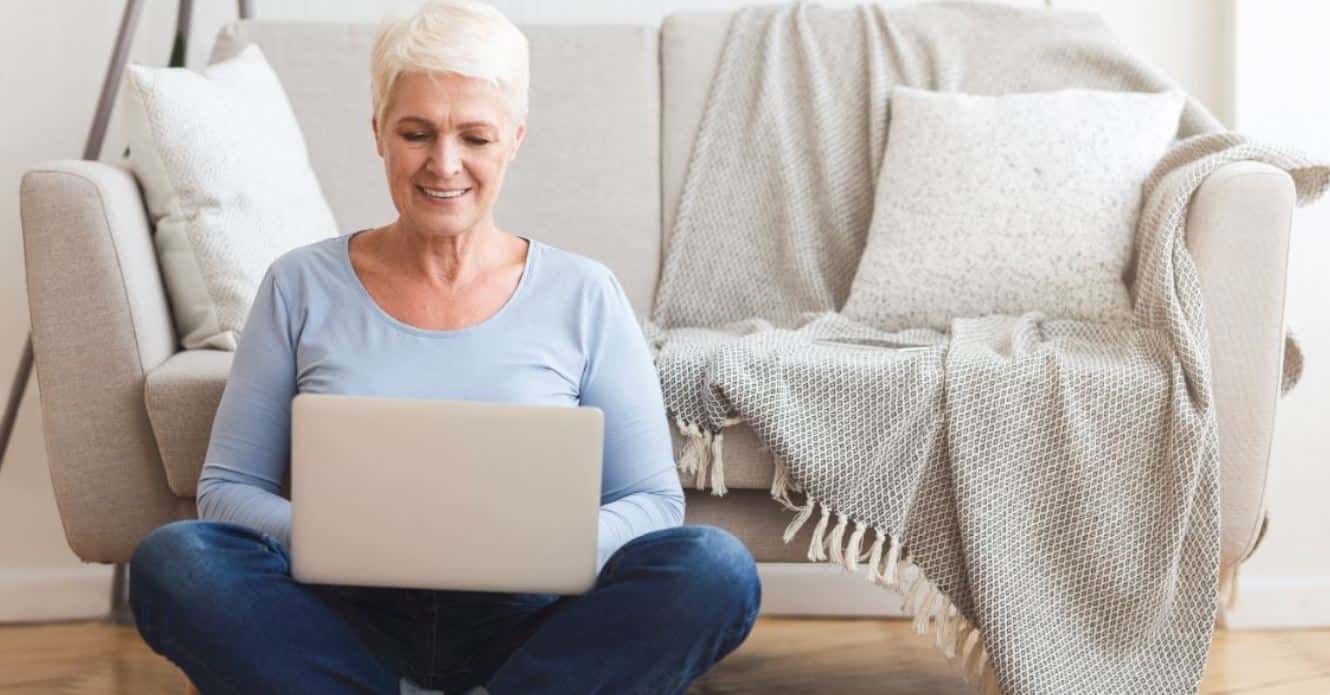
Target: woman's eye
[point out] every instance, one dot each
(417, 137)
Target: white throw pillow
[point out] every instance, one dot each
(228, 184)
(1006, 204)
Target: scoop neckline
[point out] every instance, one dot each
(365, 296)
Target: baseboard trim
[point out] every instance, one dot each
(1270, 603)
(44, 595)
(824, 589)
(788, 589)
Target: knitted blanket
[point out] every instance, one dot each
(1048, 488)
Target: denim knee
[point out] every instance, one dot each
(164, 545)
(721, 570)
(178, 565)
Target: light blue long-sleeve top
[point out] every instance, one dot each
(567, 335)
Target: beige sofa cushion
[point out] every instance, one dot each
(182, 396)
(228, 183)
(1008, 204)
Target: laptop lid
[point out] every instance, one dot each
(445, 494)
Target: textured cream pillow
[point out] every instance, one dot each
(228, 183)
(1007, 204)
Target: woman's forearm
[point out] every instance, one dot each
(639, 513)
(248, 505)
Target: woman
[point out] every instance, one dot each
(442, 304)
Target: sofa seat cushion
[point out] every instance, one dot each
(183, 393)
(754, 518)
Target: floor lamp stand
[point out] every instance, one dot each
(92, 151)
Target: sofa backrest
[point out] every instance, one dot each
(690, 45)
(587, 178)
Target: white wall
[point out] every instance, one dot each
(54, 57)
(1188, 39)
(1280, 97)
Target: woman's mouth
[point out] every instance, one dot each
(443, 195)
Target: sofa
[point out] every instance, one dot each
(614, 108)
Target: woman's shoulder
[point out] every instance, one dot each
(298, 267)
(576, 269)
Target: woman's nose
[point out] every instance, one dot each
(447, 157)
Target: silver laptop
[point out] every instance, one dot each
(444, 494)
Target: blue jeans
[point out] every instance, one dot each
(219, 601)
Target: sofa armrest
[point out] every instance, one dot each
(100, 323)
(1238, 234)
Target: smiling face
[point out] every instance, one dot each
(446, 142)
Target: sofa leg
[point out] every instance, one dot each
(120, 613)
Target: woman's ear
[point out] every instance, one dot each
(517, 140)
(378, 142)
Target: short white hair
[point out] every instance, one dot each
(466, 37)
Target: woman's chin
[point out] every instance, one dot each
(430, 211)
(448, 223)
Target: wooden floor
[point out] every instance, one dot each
(782, 655)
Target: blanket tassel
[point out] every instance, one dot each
(702, 454)
(960, 648)
(912, 597)
(923, 612)
(945, 638)
(815, 549)
(718, 464)
(852, 553)
(717, 456)
(890, 574)
(959, 641)
(988, 684)
(781, 485)
(690, 458)
(837, 534)
(702, 445)
(799, 519)
(875, 555)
